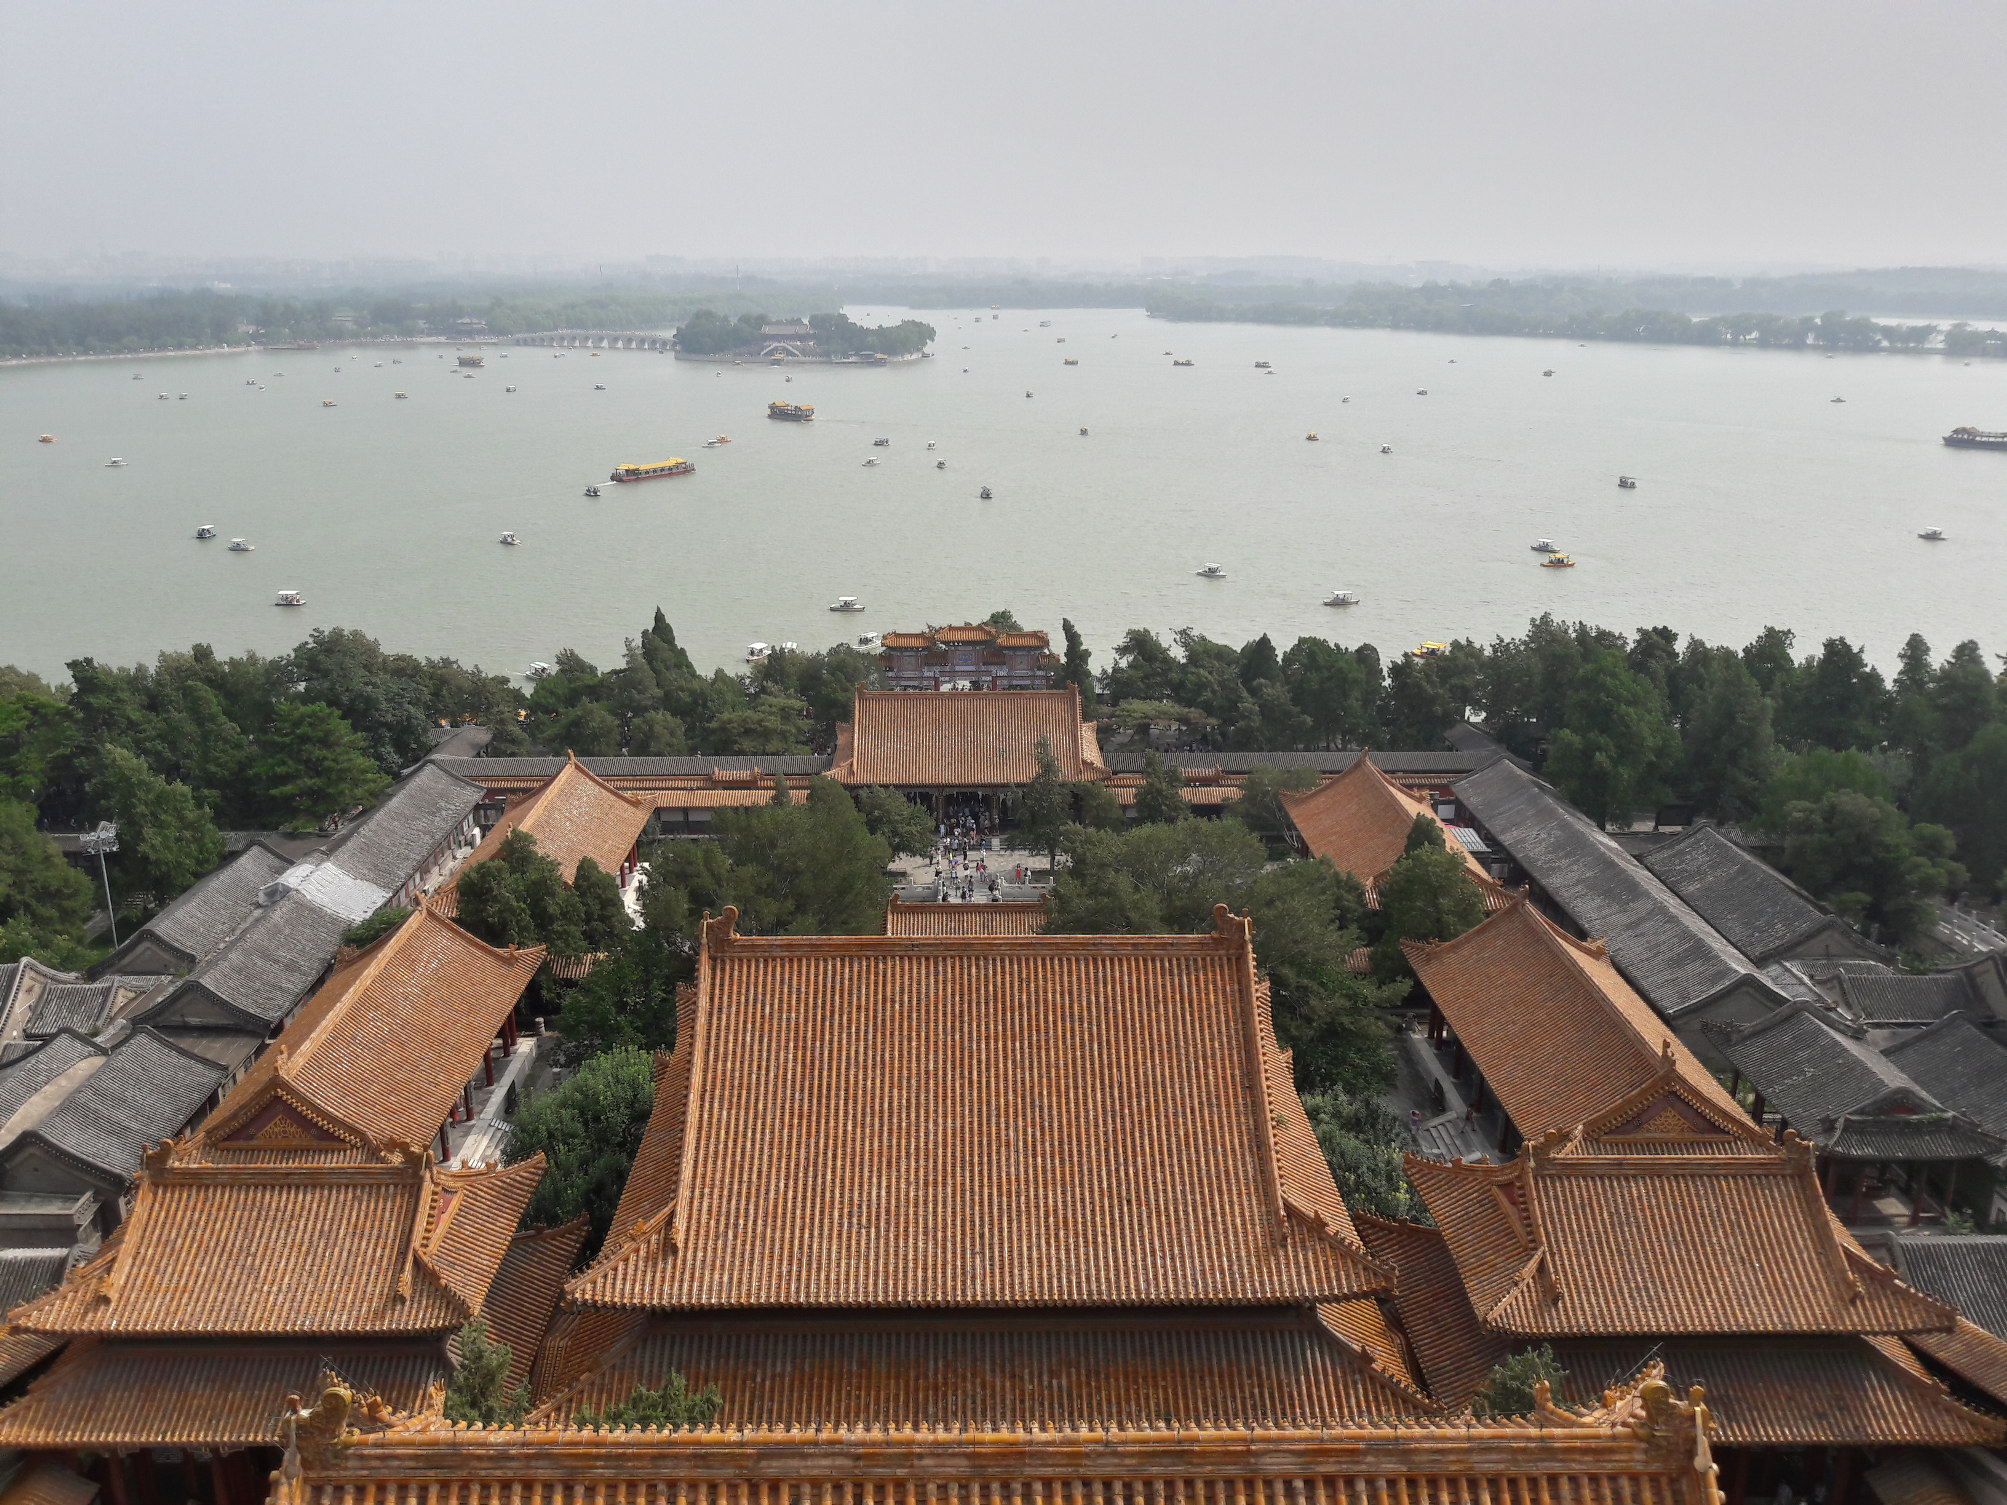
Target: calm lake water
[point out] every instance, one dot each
(1758, 499)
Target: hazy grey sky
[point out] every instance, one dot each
(1515, 132)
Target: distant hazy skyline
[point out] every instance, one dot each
(1545, 133)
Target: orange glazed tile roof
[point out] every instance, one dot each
(1916, 1479)
(48, 1483)
(264, 1249)
(1560, 1037)
(1970, 1352)
(120, 1395)
(964, 919)
(1557, 1245)
(377, 1057)
(524, 1296)
(969, 738)
(977, 1121)
(21, 1351)
(1455, 1353)
(1015, 1372)
(1793, 1392)
(1360, 819)
(1569, 1459)
(575, 814)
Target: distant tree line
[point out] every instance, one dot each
(1569, 311)
(203, 319)
(708, 332)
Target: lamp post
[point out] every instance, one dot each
(101, 841)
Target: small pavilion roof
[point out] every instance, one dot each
(1889, 998)
(1014, 918)
(1360, 820)
(998, 1121)
(1557, 1245)
(275, 1250)
(378, 1055)
(577, 814)
(969, 739)
(1563, 1039)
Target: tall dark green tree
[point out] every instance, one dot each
(1046, 805)
(518, 897)
(1428, 895)
(311, 765)
(1729, 749)
(1967, 791)
(1160, 801)
(166, 838)
(588, 1129)
(1862, 856)
(44, 902)
(1618, 744)
(1074, 669)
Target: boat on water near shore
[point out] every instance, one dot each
(1627, 483)
(474, 361)
(1261, 365)
(869, 640)
(1342, 598)
(402, 396)
(290, 598)
(1070, 361)
(238, 546)
(1312, 437)
(1545, 546)
(1386, 449)
(207, 530)
(791, 412)
(984, 494)
(940, 465)
(722, 439)
(1557, 562)
(592, 491)
(1933, 535)
(46, 439)
(327, 402)
(1429, 650)
(675, 465)
(114, 463)
(1972, 438)
(846, 603)
(1184, 363)
(1210, 572)
(510, 539)
(881, 443)
(872, 461)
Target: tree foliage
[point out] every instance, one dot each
(518, 897)
(479, 1394)
(1427, 895)
(1363, 1142)
(671, 1404)
(166, 839)
(588, 1129)
(44, 902)
(1509, 1389)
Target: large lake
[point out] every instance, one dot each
(1759, 500)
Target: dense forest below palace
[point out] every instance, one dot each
(1784, 312)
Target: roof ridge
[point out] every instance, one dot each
(572, 764)
(1241, 930)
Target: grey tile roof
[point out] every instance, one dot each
(264, 973)
(387, 845)
(39, 1064)
(27, 1273)
(696, 767)
(1961, 1066)
(1911, 1137)
(1760, 911)
(1668, 953)
(1394, 760)
(147, 1090)
(81, 1006)
(201, 920)
(1967, 1270)
(1905, 998)
(1792, 983)
(1810, 1071)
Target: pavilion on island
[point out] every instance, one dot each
(304, 1228)
(978, 1219)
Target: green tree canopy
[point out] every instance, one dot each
(1259, 807)
(808, 869)
(1427, 895)
(1363, 1143)
(671, 1404)
(518, 897)
(1967, 791)
(1618, 744)
(1160, 801)
(166, 839)
(1046, 806)
(588, 1129)
(313, 765)
(479, 1394)
(902, 825)
(628, 1001)
(44, 902)
(1729, 748)
(1509, 1389)
(1862, 856)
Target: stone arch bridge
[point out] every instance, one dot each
(600, 339)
